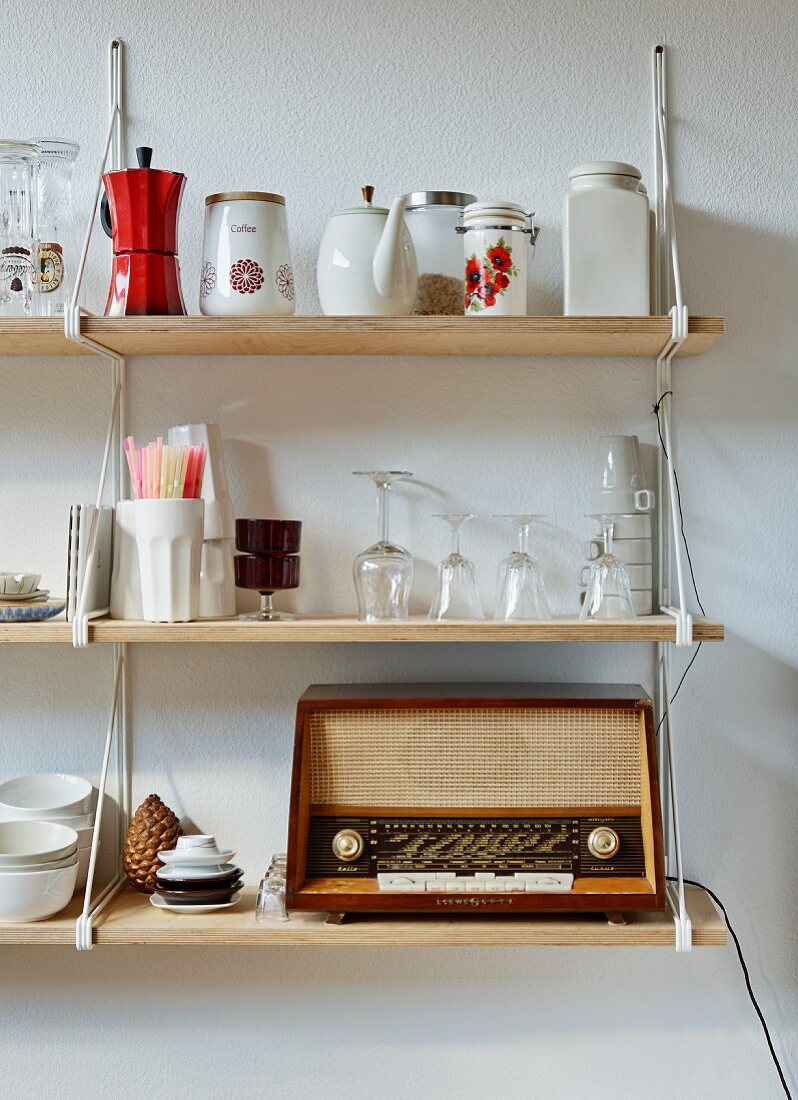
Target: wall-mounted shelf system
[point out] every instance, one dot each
(461, 336)
(130, 919)
(316, 628)
(115, 915)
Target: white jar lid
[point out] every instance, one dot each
(605, 168)
(493, 210)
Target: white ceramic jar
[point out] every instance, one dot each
(246, 259)
(606, 250)
(496, 240)
(431, 217)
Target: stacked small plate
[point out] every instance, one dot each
(57, 798)
(198, 877)
(38, 869)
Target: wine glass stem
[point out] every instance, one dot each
(382, 510)
(456, 539)
(523, 538)
(266, 605)
(606, 532)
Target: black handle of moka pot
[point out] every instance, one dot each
(144, 158)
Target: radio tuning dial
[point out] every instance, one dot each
(603, 842)
(347, 845)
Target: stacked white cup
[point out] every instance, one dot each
(217, 596)
(620, 493)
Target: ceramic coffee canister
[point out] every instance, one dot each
(246, 258)
(367, 264)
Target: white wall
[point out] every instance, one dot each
(314, 99)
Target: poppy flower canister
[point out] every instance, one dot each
(496, 236)
(246, 258)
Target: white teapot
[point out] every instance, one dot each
(367, 265)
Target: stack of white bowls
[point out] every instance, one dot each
(38, 869)
(620, 493)
(64, 800)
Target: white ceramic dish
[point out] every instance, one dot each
(52, 865)
(25, 842)
(35, 895)
(181, 873)
(17, 584)
(47, 795)
(12, 611)
(26, 597)
(159, 903)
(199, 857)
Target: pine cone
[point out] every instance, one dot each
(154, 829)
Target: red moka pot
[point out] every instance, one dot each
(139, 212)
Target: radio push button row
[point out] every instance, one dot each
(603, 842)
(347, 845)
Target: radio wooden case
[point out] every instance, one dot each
(501, 786)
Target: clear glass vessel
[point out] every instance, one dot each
(58, 245)
(383, 573)
(19, 230)
(520, 592)
(608, 594)
(456, 594)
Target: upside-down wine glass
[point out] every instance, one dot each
(456, 595)
(383, 573)
(520, 592)
(608, 594)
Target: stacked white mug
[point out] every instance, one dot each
(620, 492)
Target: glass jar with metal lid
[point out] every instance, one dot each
(495, 237)
(58, 249)
(431, 217)
(19, 230)
(246, 258)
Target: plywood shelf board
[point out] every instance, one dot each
(130, 919)
(651, 628)
(461, 336)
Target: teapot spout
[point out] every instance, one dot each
(387, 257)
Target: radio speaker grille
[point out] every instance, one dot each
(476, 757)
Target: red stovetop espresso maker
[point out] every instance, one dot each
(139, 212)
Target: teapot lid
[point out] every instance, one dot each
(366, 208)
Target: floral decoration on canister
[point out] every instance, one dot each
(246, 276)
(285, 281)
(207, 279)
(489, 277)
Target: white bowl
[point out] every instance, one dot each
(34, 895)
(47, 795)
(84, 855)
(18, 584)
(23, 842)
(52, 865)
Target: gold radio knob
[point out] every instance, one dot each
(603, 842)
(347, 845)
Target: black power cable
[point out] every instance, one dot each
(692, 882)
(754, 1002)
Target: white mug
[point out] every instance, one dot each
(619, 464)
(630, 551)
(125, 579)
(620, 501)
(169, 541)
(246, 259)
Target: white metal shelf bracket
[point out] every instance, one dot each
(667, 273)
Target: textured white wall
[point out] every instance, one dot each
(313, 100)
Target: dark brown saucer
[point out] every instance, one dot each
(225, 881)
(196, 897)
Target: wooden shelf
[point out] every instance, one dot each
(504, 336)
(651, 628)
(130, 919)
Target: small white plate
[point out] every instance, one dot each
(195, 857)
(25, 597)
(171, 874)
(31, 611)
(159, 903)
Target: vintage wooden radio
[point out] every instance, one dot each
(475, 798)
